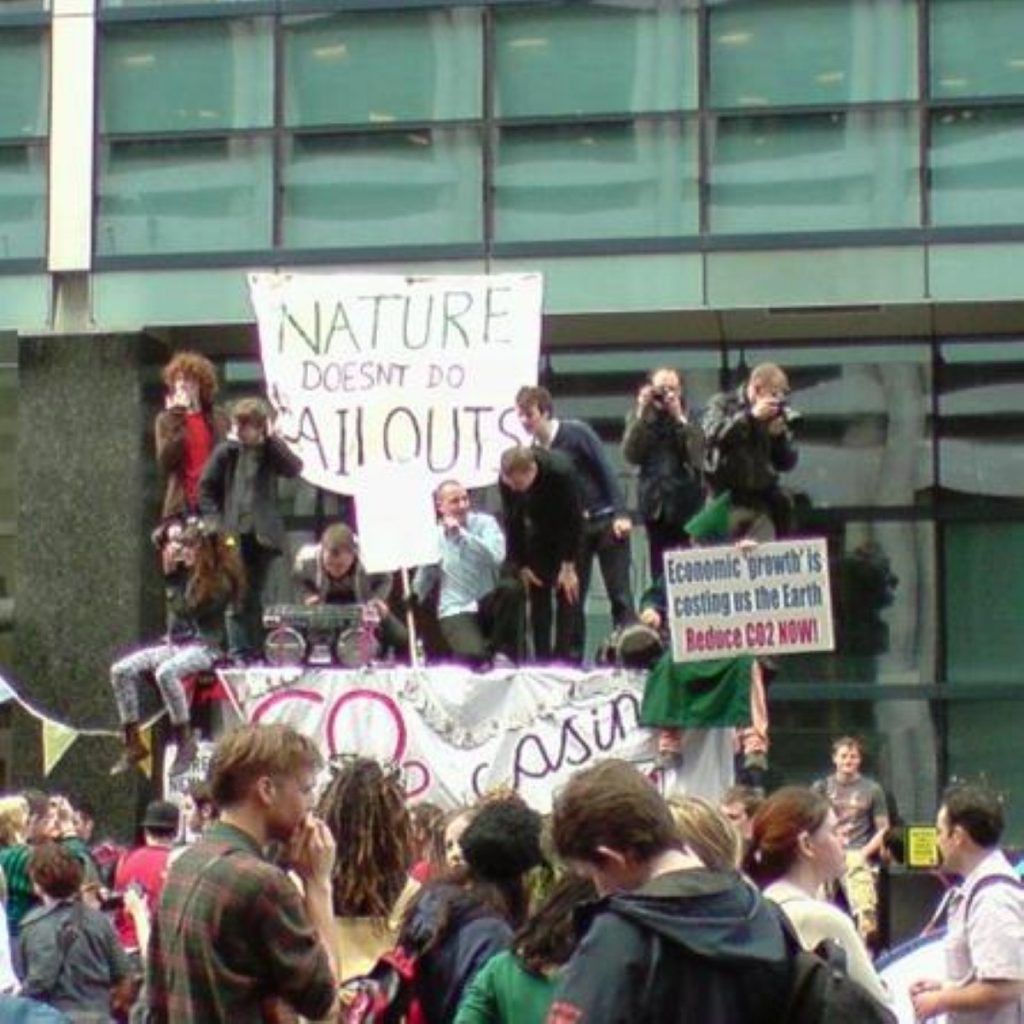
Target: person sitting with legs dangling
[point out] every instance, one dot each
(205, 577)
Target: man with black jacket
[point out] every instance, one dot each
(667, 448)
(543, 523)
(749, 444)
(669, 940)
(606, 525)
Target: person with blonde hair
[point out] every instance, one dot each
(706, 832)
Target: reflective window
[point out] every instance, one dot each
(977, 48)
(596, 181)
(209, 74)
(977, 166)
(795, 53)
(22, 202)
(24, 82)
(419, 186)
(380, 68)
(8, 490)
(198, 196)
(829, 171)
(981, 408)
(596, 58)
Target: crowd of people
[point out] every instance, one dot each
(291, 890)
(562, 507)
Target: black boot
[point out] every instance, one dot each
(187, 748)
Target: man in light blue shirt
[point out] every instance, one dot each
(480, 612)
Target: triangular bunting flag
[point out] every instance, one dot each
(57, 739)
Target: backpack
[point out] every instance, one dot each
(823, 993)
(387, 995)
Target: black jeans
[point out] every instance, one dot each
(662, 537)
(498, 626)
(245, 626)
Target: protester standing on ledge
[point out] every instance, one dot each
(606, 524)
(187, 429)
(239, 489)
(544, 520)
(749, 444)
(667, 448)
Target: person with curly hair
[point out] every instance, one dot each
(458, 922)
(517, 986)
(209, 579)
(187, 429)
(364, 807)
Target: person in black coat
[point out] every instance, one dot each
(238, 490)
(544, 524)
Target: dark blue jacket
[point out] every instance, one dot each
(599, 488)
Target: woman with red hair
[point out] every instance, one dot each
(187, 429)
(795, 850)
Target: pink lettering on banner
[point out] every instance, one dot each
(286, 695)
(352, 700)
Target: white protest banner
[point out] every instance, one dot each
(396, 516)
(458, 734)
(767, 599)
(372, 370)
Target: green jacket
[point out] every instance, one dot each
(505, 992)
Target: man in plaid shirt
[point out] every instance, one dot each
(234, 940)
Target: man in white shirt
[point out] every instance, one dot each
(984, 943)
(481, 613)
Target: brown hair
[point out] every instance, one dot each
(364, 807)
(707, 832)
(338, 536)
(199, 368)
(750, 798)
(776, 830)
(611, 805)
(252, 751)
(517, 458)
(250, 412)
(548, 939)
(770, 375)
(848, 741)
(55, 870)
(529, 396)
(218, 563)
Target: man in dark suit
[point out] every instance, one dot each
(544, 524)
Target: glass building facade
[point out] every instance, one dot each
(835, 185)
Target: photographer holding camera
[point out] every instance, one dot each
(666, 447)
(749, 444)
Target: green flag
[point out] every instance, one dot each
(711, 523)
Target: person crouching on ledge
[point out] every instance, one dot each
(204, 577)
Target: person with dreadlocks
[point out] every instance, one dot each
(364, 807)
(458, 922)
(209, 578)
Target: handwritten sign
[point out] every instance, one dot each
(366, 371)
(769, 599)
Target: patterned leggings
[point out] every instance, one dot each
(169, 664)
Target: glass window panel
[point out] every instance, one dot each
(984, 592)
(24, 82)
(211, 195)
(977, 48)
(22, 202)
(344, 68)
(597, 181)
(883, 605)
(210, 74)
(984, 742)
(981, 405)
(595, 58)
(977, 166)
(797, 52)
(417, 187)
(818, 172)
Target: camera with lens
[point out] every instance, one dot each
(788, 413)
(660, 395)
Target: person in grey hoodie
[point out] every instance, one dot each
(669, 940)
